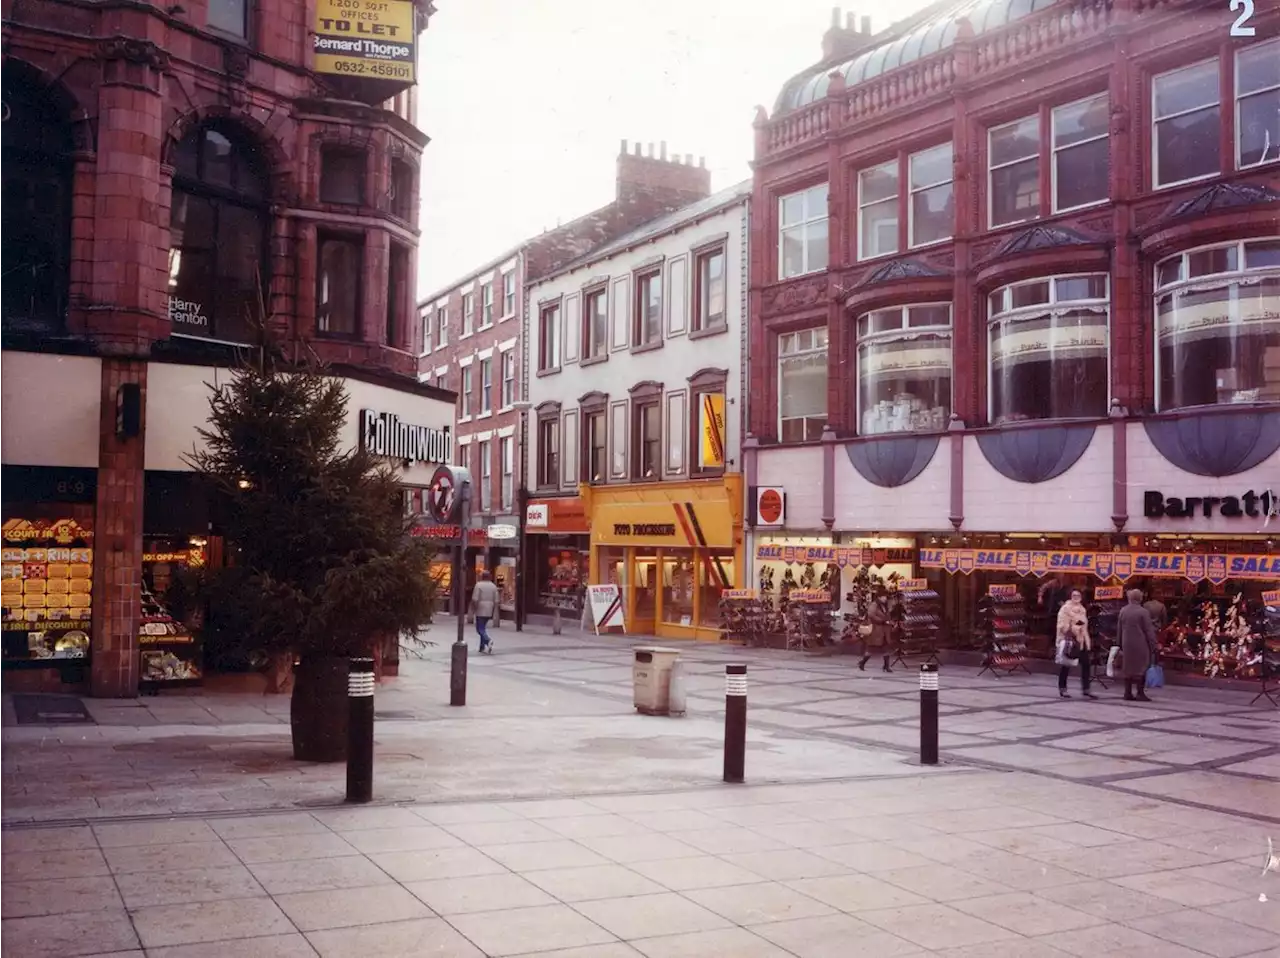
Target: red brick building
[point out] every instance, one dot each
(177, 178)
(473, 341)
(1014, 265)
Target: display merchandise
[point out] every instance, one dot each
(47, 587)
(169, 648)
(904, 413)
(746, 618)
(1004, 617)
(808, 619)
(917, 614)
(1268, 659)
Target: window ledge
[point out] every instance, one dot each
(549, 371)
(647, 347)
(463, 420)
(709, 331)
(503, 319)
(483, 415)
(594, 360)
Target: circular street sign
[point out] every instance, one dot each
(770, 506)
(442, 495)
(501, 530)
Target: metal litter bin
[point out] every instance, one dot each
(651, 678)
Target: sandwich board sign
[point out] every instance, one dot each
(605, 602)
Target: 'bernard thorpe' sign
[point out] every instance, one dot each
(384, 434)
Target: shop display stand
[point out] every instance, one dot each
(808, 619)
(170, 655)
(1006, 627)
(919, 624)
(1103, 616)
(1269, 665)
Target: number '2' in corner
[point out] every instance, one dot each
(1241, 26)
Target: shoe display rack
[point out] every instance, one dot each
(1269, 664)
(919, 619)
(1004, 615)
(808, 618)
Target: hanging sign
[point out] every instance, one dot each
(912, 585)
(499, 531)
(606, 607)
(842, 555)
(771, 506)
(711, 453)
(1105, 565)
(1108, 593)
(1002, 591)
(365, 38)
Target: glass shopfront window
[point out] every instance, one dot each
(1218, 325)
(677, 586)
(646, 582)
(715, 573)
(904, 369)
(1048, 349)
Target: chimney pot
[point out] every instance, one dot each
(835, 16)
(688, 159)
(851, 21)
(702, 162)
(664, 149)
(624, 147)
(652, 152)
(866, 25)
(635, 148)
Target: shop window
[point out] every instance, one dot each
(1218, 325)
(37, 172)
(802, 232)
(595, 446)
(486, 305)
(878, 210)
(647, 430)
(229, 16)
(508, 294)
(442, 327)
(402, 190)
(1258, 104)
(802, 385)
(218, 225)
(932, 214)
(904, 369)
(464, 394)
(715, 573)
(678, 584)
(506, 451)
(397, 293)
(549, 338)
(338, 286)
(648, 321)
(1049, 349)
(1186, 121)
(595, 323)
(548, 452)
(1013, 187)
(468, 314)
(508, 378)
(342, 176)
(709, 297)
(1081, 153)
(486, 476)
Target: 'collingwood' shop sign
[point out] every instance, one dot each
(384, 434)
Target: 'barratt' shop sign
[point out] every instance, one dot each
(366, 38)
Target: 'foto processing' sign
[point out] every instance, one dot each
(365, 38)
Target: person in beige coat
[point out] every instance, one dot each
(484, 606)
(1073, 624)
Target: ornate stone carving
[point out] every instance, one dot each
(899, 269)
(235, 61)
(1221, 196)
(799, 294)
(133, 50)
(1040, 238)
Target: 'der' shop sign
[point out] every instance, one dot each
(365, 38)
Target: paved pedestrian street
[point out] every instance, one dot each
(547, 818)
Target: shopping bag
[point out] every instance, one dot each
(1111, 661)
(1155, 677)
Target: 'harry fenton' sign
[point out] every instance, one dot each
(384, 434)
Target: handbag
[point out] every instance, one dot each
(866, 630)
(1155, 677)
(1111, 661)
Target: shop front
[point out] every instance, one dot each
(672, 548)
(558, 550)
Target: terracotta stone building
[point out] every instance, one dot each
(1015, 273)
(180, 184)
(472, 341)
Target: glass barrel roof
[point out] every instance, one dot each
(916, 43)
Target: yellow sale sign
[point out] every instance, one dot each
(374, 39)
(712, 452)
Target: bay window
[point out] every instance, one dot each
(1081, 153)
(931, 216)
(1258, 104)
(1048, 349)
(802, 232)
(1218, 325)
(802, 385)
(904, 369)
(878, 210)
(1186, 121)
(1013, 181)
(337, 286)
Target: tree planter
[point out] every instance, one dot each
(318, 709)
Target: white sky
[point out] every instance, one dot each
(526, 102)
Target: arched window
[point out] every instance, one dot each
(218, 236)
(1048, 349)
(37, 172)
(1218, 325)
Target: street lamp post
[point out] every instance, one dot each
(522, 503)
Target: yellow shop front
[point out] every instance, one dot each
(671, 547)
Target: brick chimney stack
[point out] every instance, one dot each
(671, 180)
(847, 39)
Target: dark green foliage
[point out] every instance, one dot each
(324, 561)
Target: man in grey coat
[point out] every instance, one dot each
(484, 606)
(1137, 635)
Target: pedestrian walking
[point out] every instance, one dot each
(484, 605)
(878, 637)
(1074, 644)
(1137, 635)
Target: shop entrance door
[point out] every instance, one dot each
(646, 590)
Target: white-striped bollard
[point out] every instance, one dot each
(735, 722)
(360, 730)
(929, 714)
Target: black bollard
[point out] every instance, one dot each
(929, 714)
(458, 674)
(360, 730)
(735, 722)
